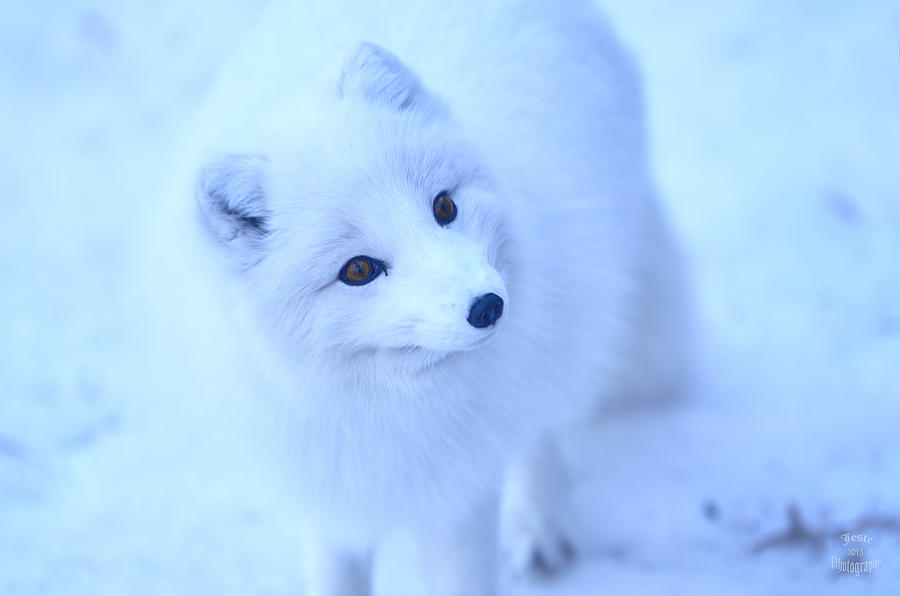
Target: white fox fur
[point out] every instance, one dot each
(327, 136)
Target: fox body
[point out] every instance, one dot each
(446, 243)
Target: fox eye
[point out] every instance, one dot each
(444, 208)
(360, 270)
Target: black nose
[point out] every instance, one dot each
(485, 310)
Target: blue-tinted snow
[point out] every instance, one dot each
(775, 135)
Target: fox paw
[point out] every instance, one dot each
(538, 550)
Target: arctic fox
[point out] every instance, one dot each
(442, 224)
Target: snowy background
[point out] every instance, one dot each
(776, 136)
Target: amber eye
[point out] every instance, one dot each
(360, 271)
(444, 209)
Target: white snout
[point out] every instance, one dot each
(442, 286)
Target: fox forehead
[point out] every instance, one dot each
(359, 146)
(369, 170)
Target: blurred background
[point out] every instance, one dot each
(775, 136)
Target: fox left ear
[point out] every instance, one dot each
(232, 205)
(377, 75)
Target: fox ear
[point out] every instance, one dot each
(231, 200)
(376, 74)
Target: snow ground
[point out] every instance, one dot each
(773, 127)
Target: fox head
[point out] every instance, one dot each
(373, 229)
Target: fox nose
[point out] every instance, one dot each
(485, 310)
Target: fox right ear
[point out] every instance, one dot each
(371, 72)
(231, 200)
